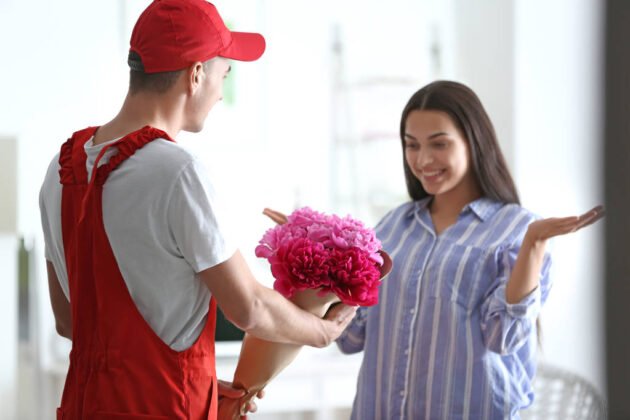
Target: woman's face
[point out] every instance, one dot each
(438, 154)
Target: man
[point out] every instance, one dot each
(136, 253)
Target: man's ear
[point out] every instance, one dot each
(195, 76)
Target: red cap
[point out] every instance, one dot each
(173, 34)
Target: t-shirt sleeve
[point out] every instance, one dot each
(45, 225)
(50, 212)
(196, 221)
(51, 172)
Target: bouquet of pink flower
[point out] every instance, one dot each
(325, 252)
(316, 260)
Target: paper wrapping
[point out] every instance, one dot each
(260, 361)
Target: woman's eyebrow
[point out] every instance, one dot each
(434, 135)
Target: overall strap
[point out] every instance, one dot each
(126, 146)
(72, 158)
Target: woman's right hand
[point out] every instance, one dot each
(276, 216)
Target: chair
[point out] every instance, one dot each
(563, 395)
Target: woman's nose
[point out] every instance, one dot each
(423, 158)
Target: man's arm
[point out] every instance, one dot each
(265, 313)
(60, 304)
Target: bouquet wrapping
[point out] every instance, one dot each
(317, 260)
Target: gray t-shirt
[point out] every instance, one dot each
(164, 226)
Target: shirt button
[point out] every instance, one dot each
(412, 311)
(407, 352)
(402, 393)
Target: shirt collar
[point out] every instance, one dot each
(484, 208)
(419, 206)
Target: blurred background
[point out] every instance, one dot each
(314, 122)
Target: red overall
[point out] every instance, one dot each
(119, 368)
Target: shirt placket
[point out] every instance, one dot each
(411, 310)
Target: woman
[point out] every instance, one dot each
(454, 333)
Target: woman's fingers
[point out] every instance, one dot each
(555, 226)
(592, 216)
(276, 216)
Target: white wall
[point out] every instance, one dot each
(8, 276)
(484, 60)
(536, 67)
(558, 149)
(9, 327)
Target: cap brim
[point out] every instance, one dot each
(245, 46)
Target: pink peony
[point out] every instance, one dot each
(317, 251)
(299, 265)
(355, 277)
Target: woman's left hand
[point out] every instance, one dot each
(526, 272)
(541, 230)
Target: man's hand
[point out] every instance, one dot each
(227, 390)
(337, 319)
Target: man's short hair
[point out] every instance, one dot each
(139, 81)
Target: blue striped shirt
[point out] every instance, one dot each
(443, 343)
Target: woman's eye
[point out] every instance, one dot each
(412, 146)
(439, 145)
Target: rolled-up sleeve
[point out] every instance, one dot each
(507, 326)
(352, 340)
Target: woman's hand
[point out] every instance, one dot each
(276, 216)
(525, 275)
(539, 231)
